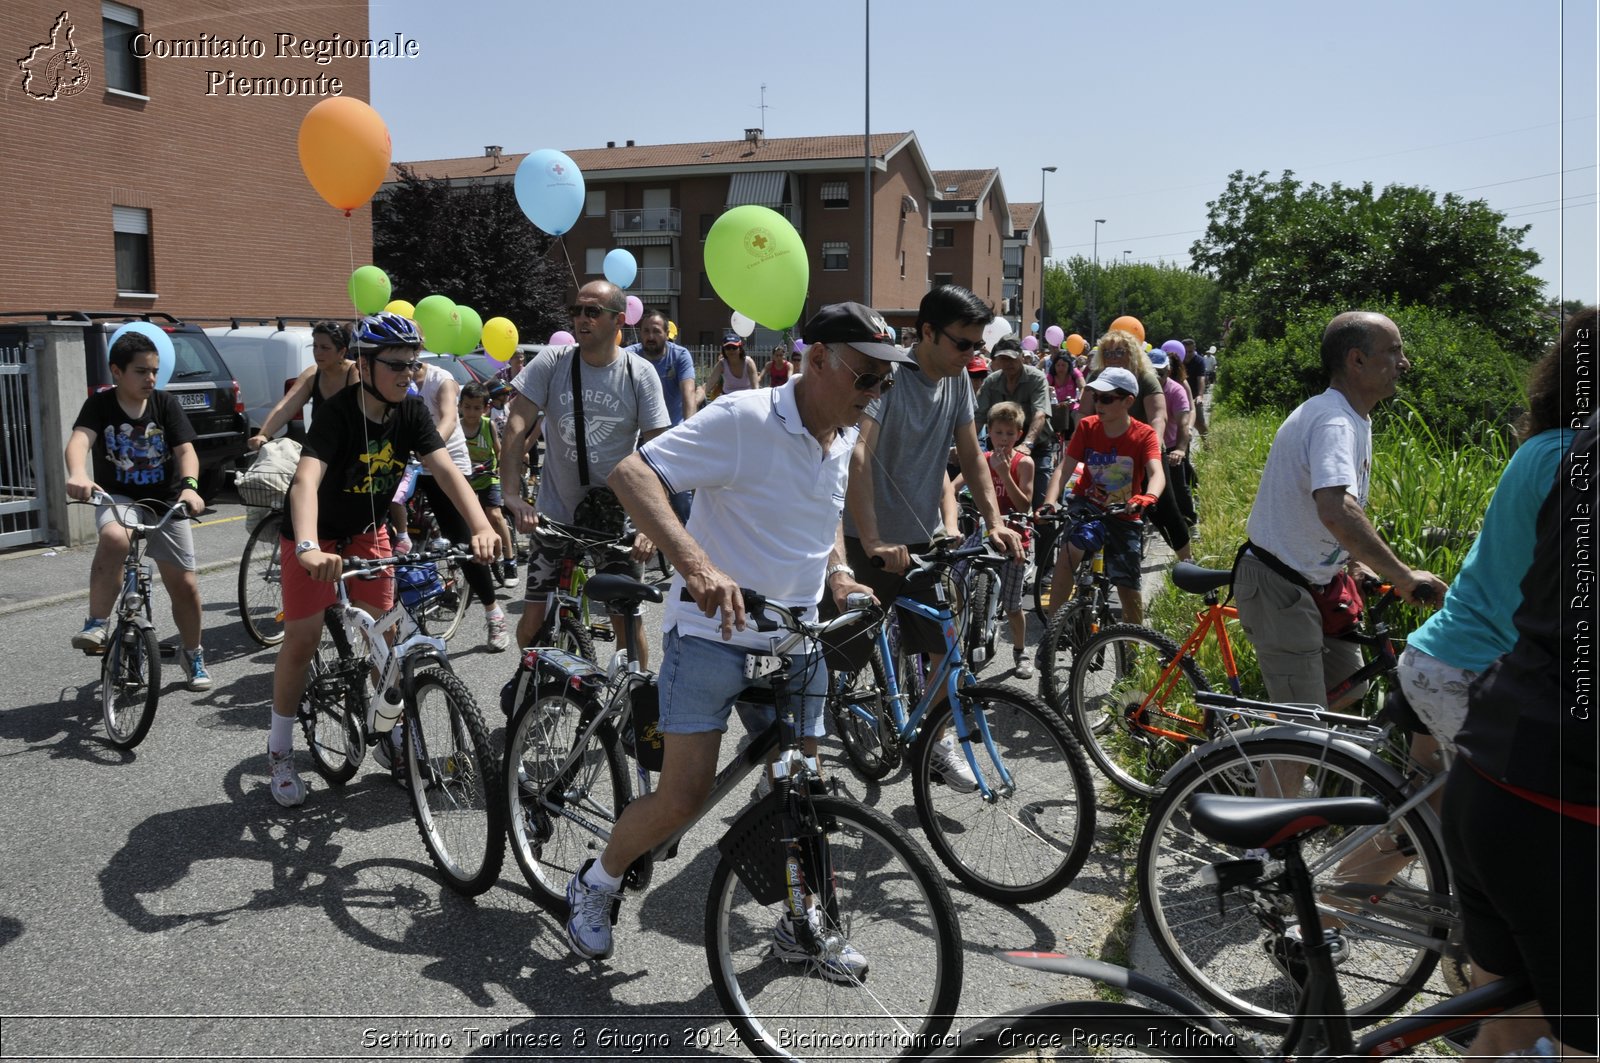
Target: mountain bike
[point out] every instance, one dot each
(796, 851)
(130, 670)
(1088, 610)
(450, 761)
(1318, 1025)
(1024, 829)
(1133, 693)
(567, 621)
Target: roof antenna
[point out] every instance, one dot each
(763, 107)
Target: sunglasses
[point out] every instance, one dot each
(961, 345)
(1114, 395)
(400, 367)
(589, 310)
(867, 381)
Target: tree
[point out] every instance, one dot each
(1277, 246)
(1170, 301)
(472, 243)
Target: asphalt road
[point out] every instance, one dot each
(159, 904)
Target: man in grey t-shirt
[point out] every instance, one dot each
(622, 406)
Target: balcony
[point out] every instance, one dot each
(647, 221)
(657, 280)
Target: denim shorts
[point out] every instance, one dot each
(699, 680)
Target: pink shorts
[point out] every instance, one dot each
(304, 596)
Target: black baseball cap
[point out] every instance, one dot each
(857, 326)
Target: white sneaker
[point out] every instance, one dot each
(288, 789)
(1024, 667)
(836, 961)
(591, 913)
(499, 633)
(951, 766)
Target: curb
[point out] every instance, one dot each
(67, 596)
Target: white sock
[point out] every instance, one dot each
(597, 878)
(495, 613)
(282, 738)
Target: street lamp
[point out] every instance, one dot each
(1125, 255)
(1043, 171)
(1094, 285)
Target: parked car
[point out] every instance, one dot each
(452, 365)
(266, 357)
(201, 380)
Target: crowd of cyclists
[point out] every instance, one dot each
(819, 476)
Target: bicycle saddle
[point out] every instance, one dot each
(1196, 580)
(1263, 822)
(608, 588)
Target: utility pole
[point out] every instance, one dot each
(866, 158)
(1094, 286)
(1038, 223)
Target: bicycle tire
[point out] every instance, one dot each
(453, 791)
(130, 683)
(886, 895)
(440, 616)
(1116, 675)
(977, 632)
(333, 721)
(573, 636)
(1228, 959)
(1072, 625)
(548, 847)
(1032, 840)
(1044, 562)
(871, 746)
(261, 582)
(1087, 1029)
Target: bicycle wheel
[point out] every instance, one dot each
(261, 583)
(1135, 715)
(130, 683)
(878, 892)
(332, 710)
(450, 763)
(1029, 842)
(1087, 1029)
(549, 846)
(440, 615)
(1236, 959)
(978, 630)
(1073, 625)
(858, 705)
(573, 636)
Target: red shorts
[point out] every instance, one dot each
(304, 596)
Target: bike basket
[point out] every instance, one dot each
(755, 847)
(259, 494)
(417, 584)
(643, 737)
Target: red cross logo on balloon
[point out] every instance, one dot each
(758, 242)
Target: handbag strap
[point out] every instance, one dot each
(577, 411)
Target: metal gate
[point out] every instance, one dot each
(23, 517)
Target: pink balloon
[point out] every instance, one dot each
(1053, 335)
(562, 338)
(1030, 343)
(634, 312)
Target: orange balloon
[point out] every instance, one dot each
(344, 150)
(1075, 344)
(1129, 323)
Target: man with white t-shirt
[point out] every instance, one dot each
(768, 467)
(1309, 518)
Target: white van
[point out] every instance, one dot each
(266, 360)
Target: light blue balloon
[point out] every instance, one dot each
(166, 355)
(549, 188)
(1036, 326)
(620, 268)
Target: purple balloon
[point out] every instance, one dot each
(1174, 348)
(799, 346)
(1030, 343)
(562, 338)
(1053, 335)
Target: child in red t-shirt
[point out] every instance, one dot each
(1012, 472)
(1121, 463)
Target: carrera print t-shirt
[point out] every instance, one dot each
(365, 460)
(132, 456)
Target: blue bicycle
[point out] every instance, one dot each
(1002, 788)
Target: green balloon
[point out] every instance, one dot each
(471, 330)
(440, 323)
(757, 264)
(369, 289)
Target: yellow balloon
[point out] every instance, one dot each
(499, 339)
(401, 307)
(672, 330)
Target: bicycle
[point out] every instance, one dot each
(1088, 611)
(450, 759)
(130, 668)
(1023, 832)
(872, 889)
(1132, 697)
(567, 621)
(261, 581)
(1319, 1027)
(1388, 883)
(443, 594)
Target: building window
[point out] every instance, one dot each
(594, 261)
(706, 222)
(944, 237)
(124, 70)
(594, 204)
(902, 265)
(835, 194)
(940, 279)
(836, 255)
(131, 226)
(706, 291)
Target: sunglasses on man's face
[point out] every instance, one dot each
(590, 311)
(868, 381)
(961, 345)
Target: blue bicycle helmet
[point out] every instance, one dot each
(387, 330)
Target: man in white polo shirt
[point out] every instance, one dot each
(768, 468)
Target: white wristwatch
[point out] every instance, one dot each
(846, 569)
(304, 546)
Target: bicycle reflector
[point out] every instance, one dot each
(1088, 535)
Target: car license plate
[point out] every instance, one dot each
(194, 400)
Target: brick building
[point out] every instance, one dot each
(971, 223)
(1025, 251)
(659, 201)
(155, 168)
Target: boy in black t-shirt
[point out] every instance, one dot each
(142, 450)
(353, 457)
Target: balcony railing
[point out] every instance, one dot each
(657, 280)
(647, 221)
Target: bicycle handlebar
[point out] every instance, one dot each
(789, 619)
(100, 498)
(438, 550)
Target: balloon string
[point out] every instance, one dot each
(571, 269)
(350, 238)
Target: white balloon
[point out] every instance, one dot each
(742, 325)
(1005, 327)
(992, 333)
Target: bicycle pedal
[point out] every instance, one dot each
(169, 652)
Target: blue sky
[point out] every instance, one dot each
(1145, 106)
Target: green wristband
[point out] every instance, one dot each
(191, 483)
